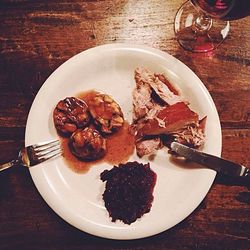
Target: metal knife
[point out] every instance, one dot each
(218, 164)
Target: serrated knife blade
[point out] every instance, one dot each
(218, 164)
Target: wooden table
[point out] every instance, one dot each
(38, 36)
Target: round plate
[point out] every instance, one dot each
(77, 198)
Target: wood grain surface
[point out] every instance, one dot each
(38, 36)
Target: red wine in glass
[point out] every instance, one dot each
(224, 9)
(202, 25)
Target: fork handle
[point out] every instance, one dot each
(8, 165)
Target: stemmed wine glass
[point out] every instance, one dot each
(202, 25)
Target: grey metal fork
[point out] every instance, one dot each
(35, 154)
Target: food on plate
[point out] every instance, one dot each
(70, 114)
(128, 191)
(89, 121)
(159, 110)
(106, 113)
(148, 145)
(192, 135)
(87, 144)
(160, 115)
(152, 91)
(167, 120)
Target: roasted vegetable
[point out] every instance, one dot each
(71, 114)
(87, 144)
(106, 113)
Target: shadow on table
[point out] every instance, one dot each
(220, 179)
(232, 181)
(243, 197)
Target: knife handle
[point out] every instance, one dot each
(211, 161)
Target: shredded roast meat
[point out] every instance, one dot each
(159, 84)
(142, 101)
(148, 146)
(160, 109)
(192, 135)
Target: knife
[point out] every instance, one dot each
(218, 164)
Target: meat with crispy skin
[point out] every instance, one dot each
(168, 120)
(159, 109)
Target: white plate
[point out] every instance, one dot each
(77, 198)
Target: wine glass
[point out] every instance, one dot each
(202, 25)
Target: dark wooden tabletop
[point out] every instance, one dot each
(38, 36)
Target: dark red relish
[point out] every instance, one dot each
(129, 191)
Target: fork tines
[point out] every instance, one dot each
(47, 144)
(47, 150)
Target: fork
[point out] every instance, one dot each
(34, 154)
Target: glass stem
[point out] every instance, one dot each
(202, 24)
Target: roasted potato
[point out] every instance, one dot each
(71, 114)
(87, 144)
(106, 113)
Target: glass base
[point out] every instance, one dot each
(195, 34)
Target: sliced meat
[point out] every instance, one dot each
(140, 123)
(172, 88)
(164, 90)
(168, 120)
(161, 111)
(148, 146)
(142, 101)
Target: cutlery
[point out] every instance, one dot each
(35, 154)
(218, 164)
